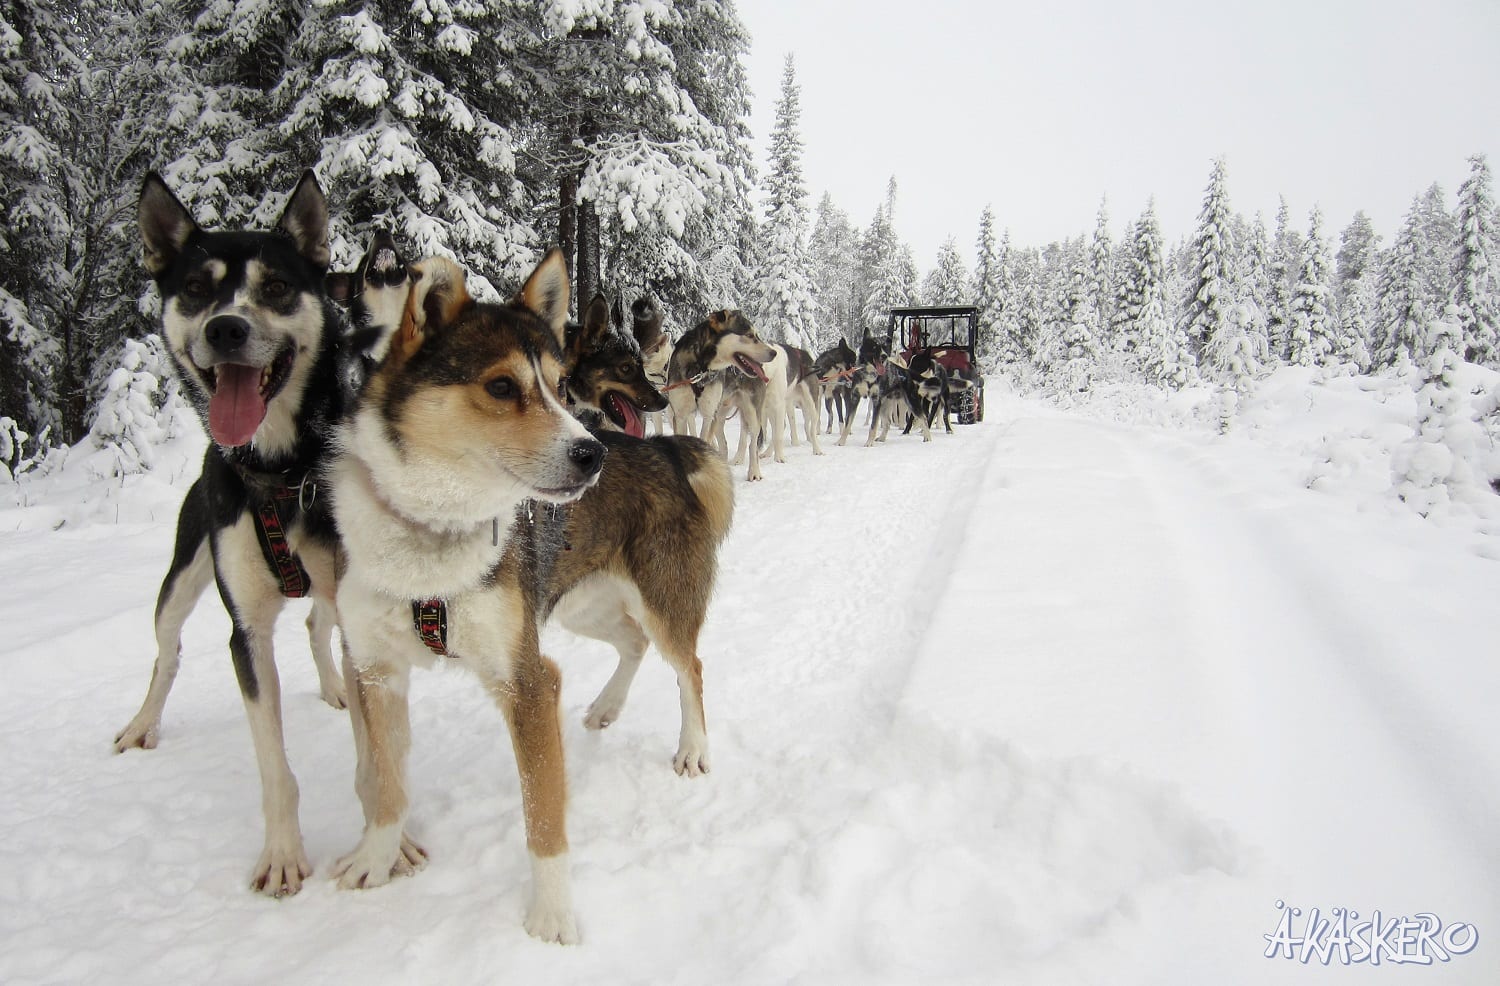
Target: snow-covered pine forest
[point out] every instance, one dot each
(620, 130)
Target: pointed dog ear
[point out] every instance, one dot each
(165, 224)
(545, 293)
(596, 325)
(437, 295)
(305, 220)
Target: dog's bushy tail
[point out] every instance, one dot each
(712, 483)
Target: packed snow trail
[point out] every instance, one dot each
(1045, 701)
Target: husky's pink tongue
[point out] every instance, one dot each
(634, 426)
(236, 409)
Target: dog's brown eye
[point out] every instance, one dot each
(196, 287)
(501, 388)
(276, 288)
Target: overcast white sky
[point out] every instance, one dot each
(1040, 109)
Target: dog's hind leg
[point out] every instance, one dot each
(530, 703)
(191, 571)
(881, 416)
(677, 639)
(320, 623)
(809, 403)
(594, 609)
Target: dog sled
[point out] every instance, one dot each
(949, 335)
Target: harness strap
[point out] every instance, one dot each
(271, 522)
(430, 617)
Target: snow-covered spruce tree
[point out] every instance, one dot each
(1160, 345)
(39, 49)
(1250, 282)
(784, 307)
(1001, 343)
(1439, 235)
(873, 243)
(405, 118)
(1124, 344)
(1080, 328)
(116, 131)
(1313, 319)
(831, 249)
(1403, 309)
(1285, 264)
(1359, 249)
(1023, 313)
(888, 264)
(1207, 298)
(948, 283)
(1355, 283)
(1101, 269)
(1357, 312)
(635, 116)
(986, 287)
(1476, 266)
(223, 153)
(1230, 358)
(138, 410)
(1442, 451)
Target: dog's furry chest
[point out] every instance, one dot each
(483, 626)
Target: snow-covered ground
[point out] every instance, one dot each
(1066, 697)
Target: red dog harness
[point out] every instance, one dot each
(430, 617)
(271, 522)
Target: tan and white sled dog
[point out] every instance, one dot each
(457, 433)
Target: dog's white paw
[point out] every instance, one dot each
(280, 871)
(549, 915)
(551, 924)
(335, 696)
(691, 759)
(139, 733)
(384, 851)
(602, 712)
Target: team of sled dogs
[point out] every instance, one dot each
(442, 476)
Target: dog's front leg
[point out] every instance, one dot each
(529, 700)
(880, 416)
(366, 781)
(382, 733)
(252, 599)
(750, 425)
(708, 404)
(851, 405)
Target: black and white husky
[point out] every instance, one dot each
(256, 342)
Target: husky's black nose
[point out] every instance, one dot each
(587, 456)
(226, 333)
